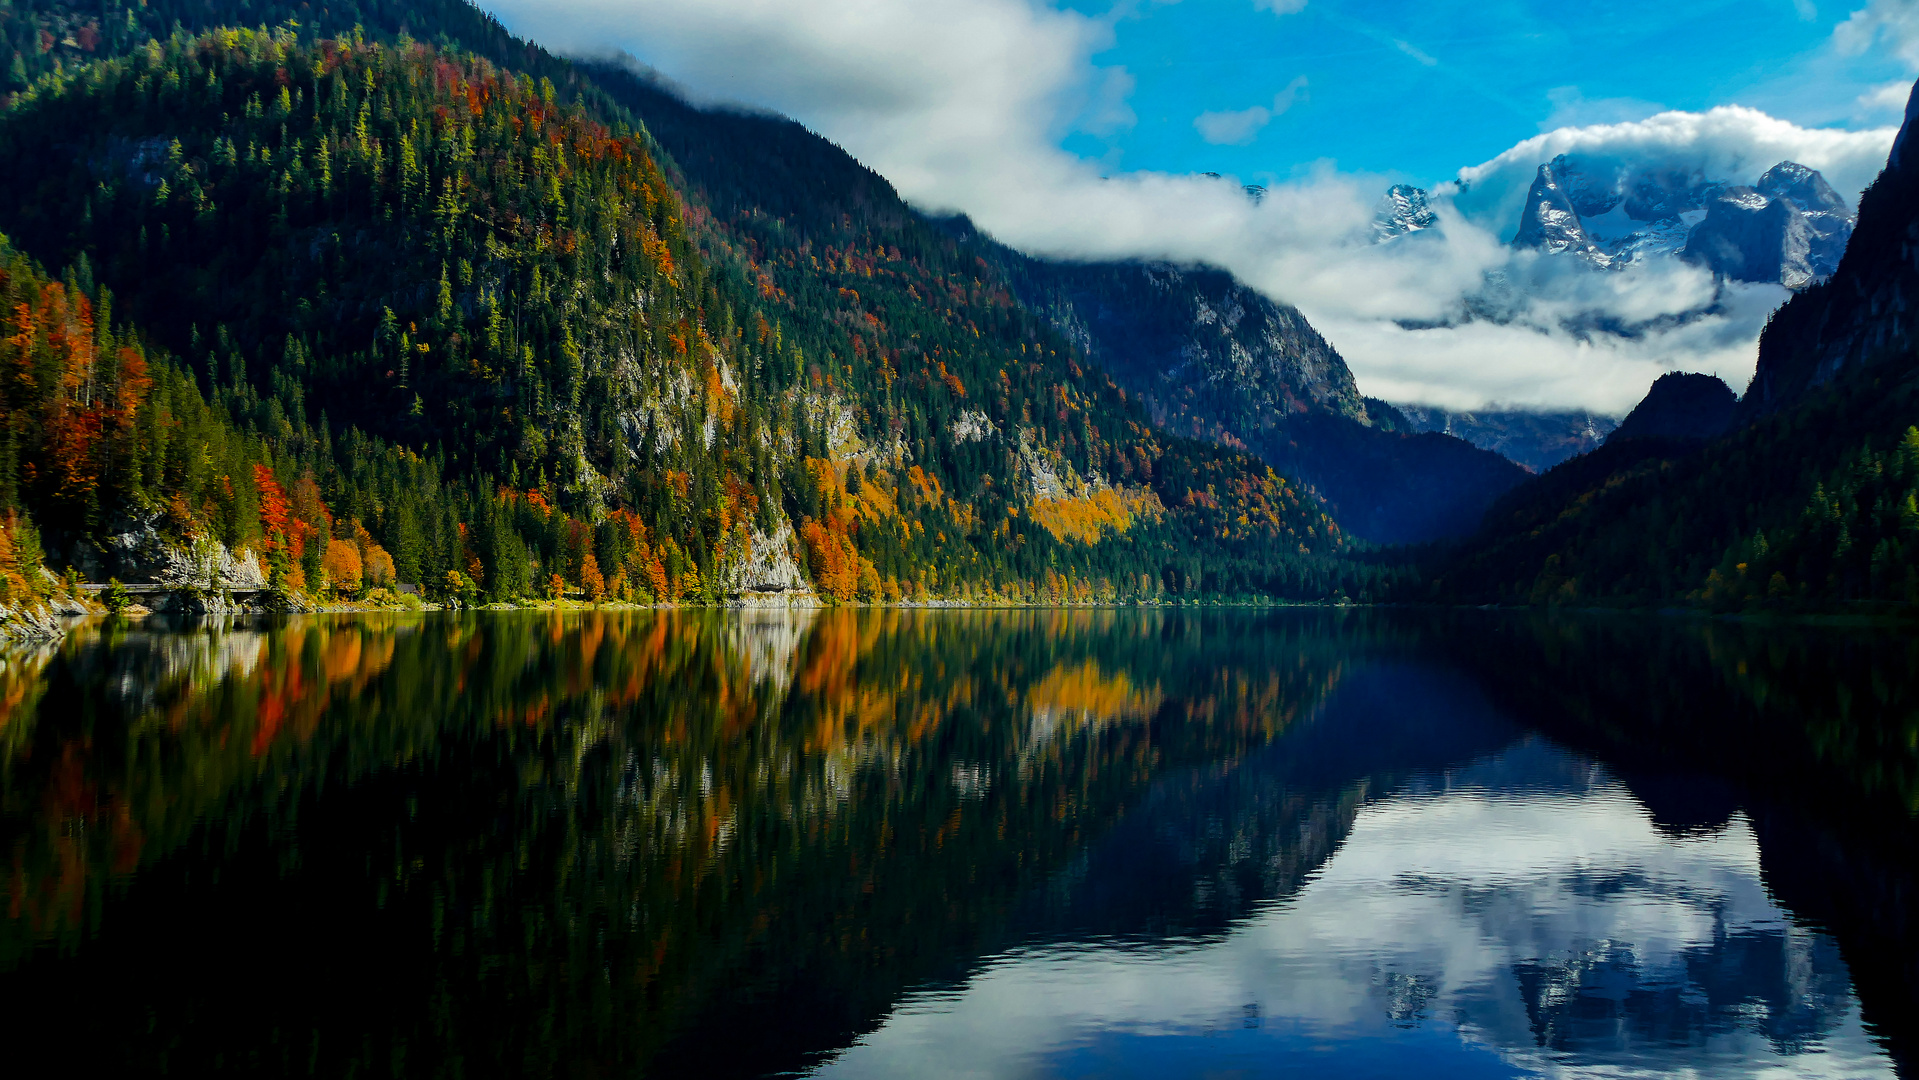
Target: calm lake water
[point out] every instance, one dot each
(963, 844)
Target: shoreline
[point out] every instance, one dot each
(48, 625)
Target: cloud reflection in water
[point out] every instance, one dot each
(1521, 915)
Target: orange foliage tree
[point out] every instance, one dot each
(342, 565)
(591, 579)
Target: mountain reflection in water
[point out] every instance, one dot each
(879, 843)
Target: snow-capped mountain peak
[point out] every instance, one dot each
(1791, 228)
(1551, 223)
(1403, 209)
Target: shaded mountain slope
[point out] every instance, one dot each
(1215, 360)
(1535, 440)
(1864, 313)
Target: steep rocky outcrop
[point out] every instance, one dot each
(1205, 351)
(1749, 237)
(1829, 221)
(1550, 223)
(1789, 228)
(763, 566)
(31, 622)
(1680, 406)
(1404, 209)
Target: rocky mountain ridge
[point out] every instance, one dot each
(1214, 359)
(1535, 440)
(1790, 228)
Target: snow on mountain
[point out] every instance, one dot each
(1790, 228)
(1403, 209)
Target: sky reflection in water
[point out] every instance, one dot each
(962, 844)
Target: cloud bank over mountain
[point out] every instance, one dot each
(963, 106)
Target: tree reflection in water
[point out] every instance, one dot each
(730, 843)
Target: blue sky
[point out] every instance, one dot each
(1418, 90)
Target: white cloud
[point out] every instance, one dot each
(1281, 7)
(1729, 142)
(1415, 52)
(1289, 97)
(1892, 23)
(1240, 128)
(962, 106)
(1886, 98)
(1457, 894)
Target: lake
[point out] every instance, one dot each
(881, 843)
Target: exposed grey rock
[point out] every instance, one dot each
(67, 606)
(972, 425)
(29, 623)
(1748, 237)
(1829, 221)
(763, 564)
(1402, 210)
(1664, 194)
(136, 552)
(208, 565)
(1549, 223)
(1791, 228)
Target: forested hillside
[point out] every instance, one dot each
(1215, 360)
(488, 320)
(97, 424)
(1208, 358)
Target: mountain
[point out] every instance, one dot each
(623, 344)
(1680, 406)
(1863, 315)
(1403, 209)
(1208, 357)
(1550, 223)
(1212, 359)
(1790, 228)
(1534, 440)
(1809, 499)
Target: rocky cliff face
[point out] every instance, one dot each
(1550, 223)
(1864, 313)
(1829, 221)
(1748, 237)
(1207, 354)
(1403, 210)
